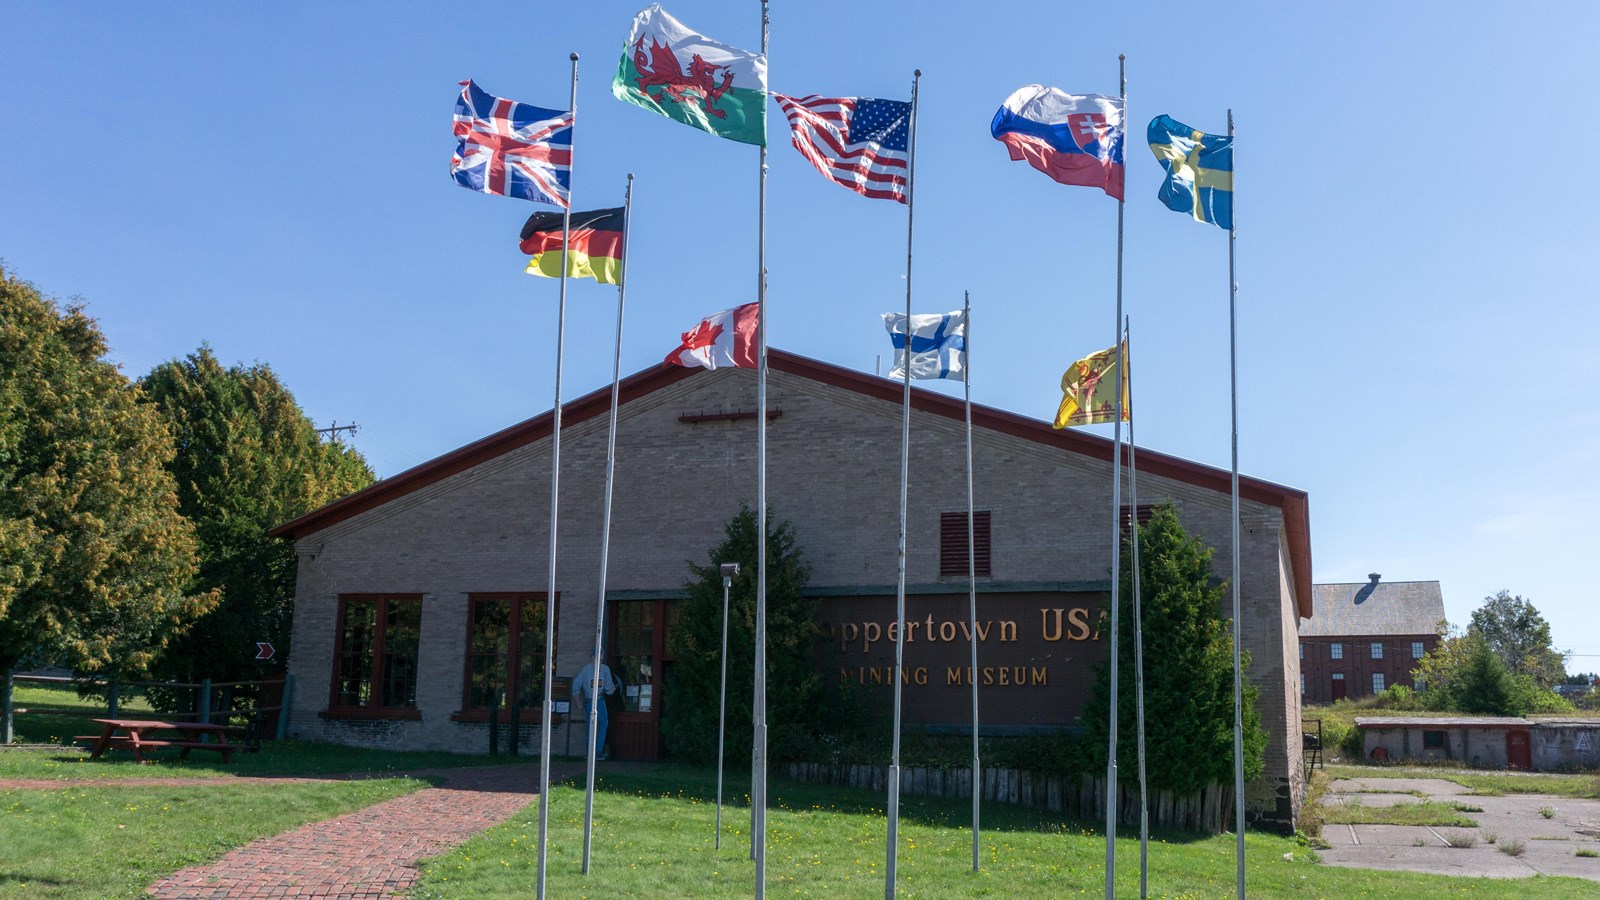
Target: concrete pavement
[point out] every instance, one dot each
(1549, 845)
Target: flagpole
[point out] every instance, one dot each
(755, 784)
(555, 496)
(605, 533)
(972, 562)
(722, 703)
(1238, 669)
(758, 802)
(1138, 630)
(905, 460)
(1116, 533)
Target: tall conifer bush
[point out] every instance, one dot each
(794, 690)
(1188, 656)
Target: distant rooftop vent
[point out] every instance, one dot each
(1374, 576)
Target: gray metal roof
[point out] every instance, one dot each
(1371, 609)
(1441, 722)
(1475, 721)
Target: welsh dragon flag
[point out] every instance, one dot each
(667, 68)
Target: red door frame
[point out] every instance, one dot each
(636, 734)
(1519, 750)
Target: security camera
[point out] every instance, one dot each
(729, 570)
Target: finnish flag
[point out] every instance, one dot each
(938, 345)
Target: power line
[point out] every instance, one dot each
(333, 430)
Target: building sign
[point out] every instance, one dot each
(1035, 655)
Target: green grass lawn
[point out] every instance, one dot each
(55, 714)
(276, 759)
(114, 841)
(1425, 813)
(653, 838)
(1485, 783)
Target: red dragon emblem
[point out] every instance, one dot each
(660, 68)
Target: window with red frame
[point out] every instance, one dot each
(505, 651)
(377, 653)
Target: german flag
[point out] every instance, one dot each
(595, 251)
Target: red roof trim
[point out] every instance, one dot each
(596, 403)
(1294, 503)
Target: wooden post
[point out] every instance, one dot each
(7, 735)
(494, 724)
(516, 725)
(283, 706)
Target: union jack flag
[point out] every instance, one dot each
(512, 149)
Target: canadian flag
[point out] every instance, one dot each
(727, 338)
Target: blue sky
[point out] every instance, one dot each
(1417, 311)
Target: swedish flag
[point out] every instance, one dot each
(1199, 170)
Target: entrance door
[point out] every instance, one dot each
(1338, 687)
(639, 660)
(1518, 753)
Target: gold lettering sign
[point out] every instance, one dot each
(882, 675)
(1030, 665)
(1077, 619)
(998, 676)
(862, 635)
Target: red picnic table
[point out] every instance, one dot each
(138, 734)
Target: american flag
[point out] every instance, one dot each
(854, 141)
(512, 149)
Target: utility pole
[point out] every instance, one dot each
(332, 431)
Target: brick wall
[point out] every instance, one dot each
(1357, 665)
(833, 471)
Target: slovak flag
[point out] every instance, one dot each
(1073, 138)
(727, 338)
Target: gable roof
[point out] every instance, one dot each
(1374, 608)
(1293, 503)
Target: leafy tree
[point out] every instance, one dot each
(246, 459)
(96, 563)
(1464, 674)
(1398, 696)
(1438, 674)
(795, 712)
(1515, 631)
(1188, 684)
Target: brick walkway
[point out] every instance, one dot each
(370, 853)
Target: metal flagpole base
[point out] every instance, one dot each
(894, 828)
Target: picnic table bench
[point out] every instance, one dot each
(136, 735)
